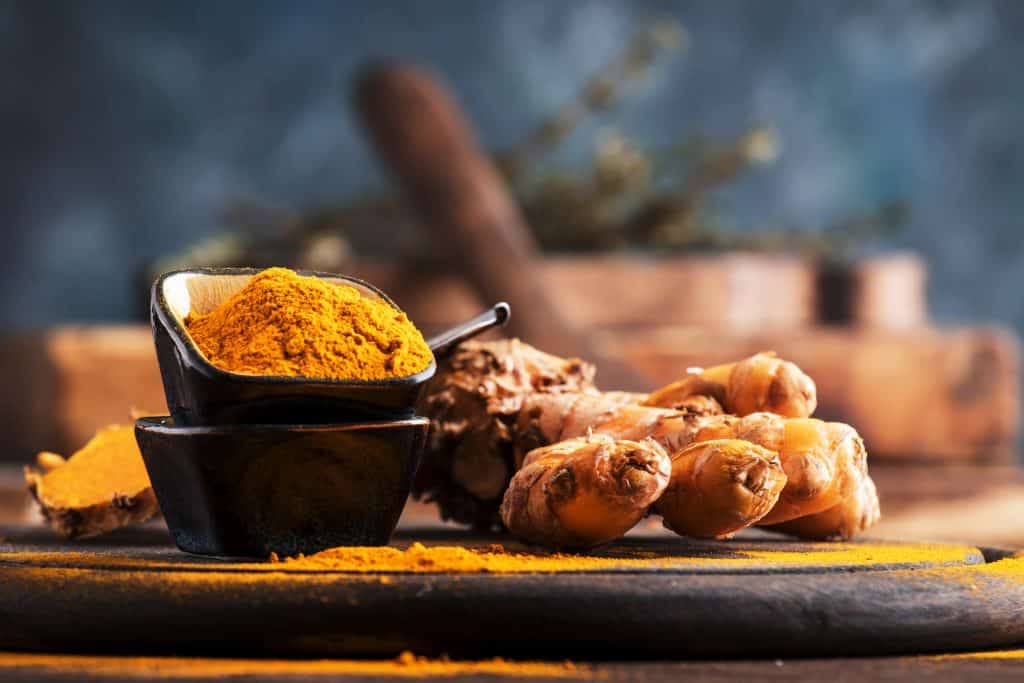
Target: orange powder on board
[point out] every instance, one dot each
(497, 559)
(285, 324)
(17, 665)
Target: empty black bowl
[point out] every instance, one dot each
(255, 489)
(198, 393)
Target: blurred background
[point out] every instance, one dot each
(131, 127)
(697, 181)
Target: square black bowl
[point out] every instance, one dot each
(198, 393)
(249, 490)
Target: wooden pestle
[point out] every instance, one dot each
(454, 187)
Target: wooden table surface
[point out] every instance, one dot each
(925, 521)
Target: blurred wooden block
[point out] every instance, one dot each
(922, 393)
(745, 292)
(740, 291)
(888, 291)
(61, 384)
(916, 394)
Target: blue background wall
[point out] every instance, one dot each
(126, 126)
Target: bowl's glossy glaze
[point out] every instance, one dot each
(198, 393)
(255, 489)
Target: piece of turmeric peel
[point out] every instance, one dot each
(101, 487)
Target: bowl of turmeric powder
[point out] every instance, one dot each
(253, 489)
(245, 345)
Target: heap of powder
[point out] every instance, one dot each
(285, 324)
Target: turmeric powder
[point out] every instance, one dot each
(285, 324)
(737, 556)
(649, 554)
(407, 665)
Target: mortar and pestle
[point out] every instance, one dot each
(248, 464)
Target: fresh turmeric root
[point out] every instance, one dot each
(548, 418)
(714, 491)
(584, 492)
(761, 383)
(103, 486)
(822, 460)
(719, 487)
(493, 403)
(857, 510)
(476, 398)
(473, 401)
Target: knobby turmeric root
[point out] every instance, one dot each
(472, 402)
(719, 487)
(823, 461)
(714, 491)
(760, 383)
(548, 418)
(101, 487)
(492, 403)
(857, 511)
(584, 492)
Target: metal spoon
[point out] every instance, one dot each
(495, 316)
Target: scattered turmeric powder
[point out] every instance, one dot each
(499, 560)
(285, 324)
(734, 556)
(407, 665)
(1016, 654)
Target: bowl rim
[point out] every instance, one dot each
(188, 348)
(157, 424)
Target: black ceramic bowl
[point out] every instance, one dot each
(255, 489)
(198, 393)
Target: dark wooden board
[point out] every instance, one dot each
(133, 592)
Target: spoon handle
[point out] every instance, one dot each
(495, 316)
